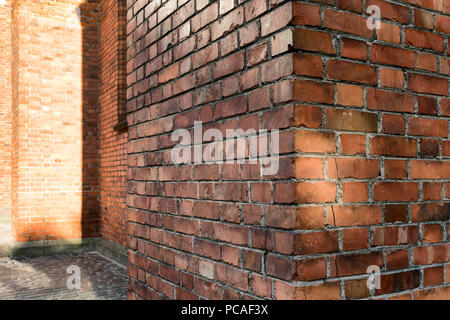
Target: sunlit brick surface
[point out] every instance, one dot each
(364, 167)
(5, 109)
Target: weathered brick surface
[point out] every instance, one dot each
(55, 183)
(364, 167)
(112, 120)
(5, 108)
(68, 89)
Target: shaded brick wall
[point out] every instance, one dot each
(55, 88)
(112, 103)
(364, 170)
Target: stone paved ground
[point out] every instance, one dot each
(45, 278)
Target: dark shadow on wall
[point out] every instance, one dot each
(103, 89)
(88, 15)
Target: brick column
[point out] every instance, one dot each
(363, 170)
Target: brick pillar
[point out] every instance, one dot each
(363, 169)
(55, 119)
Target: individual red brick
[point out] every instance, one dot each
(423, 19)
(428, 127)
(430, 254)
(440, 293)
(392, 78)
(229, 65)
(231, 276)
(353, 168)
(349, 120)
(426, 61)
(308, 65)
(388, 33)
(432, 233)
(314, 142)
(346, 22)
(429, 169)
(429, 147)
(326, 291)
(427, 105)
(356, 289)
(393, 146)
(311, 269)
(355, 239)
(389, 101)
(315, 41)
(252, 214)
(445, 106)
(353, 264)
(392, 56)
(430, 211)
(395, 191)
(355, 215)
(309, 168)
(259, 99)
(396, 213)
(316, 242)
(442, 24)
(305, 14)
(423, 39)
(353, 144)
(391, 236)
(393, 124)
(227, 23)
(316, 192)
(308, 116)
(351, 5)
(276, 19)
(433, 276)
(277, 68)
(349, 71)
(350, 95)
(398, 282)
(257, 54)
(312, 91)
(233, 234)
(395, 169)
(261, 286)
(254, 8)
(354, 49)
(281, 267)
(355, 192)
(391, 11)
(427, 84)
(205, 56)
(397, 259)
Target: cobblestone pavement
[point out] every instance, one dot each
(45, 278)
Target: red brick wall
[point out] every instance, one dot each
(364, 170)
(112, 137)
(5, 108)
(69, 88)
(55, 88)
